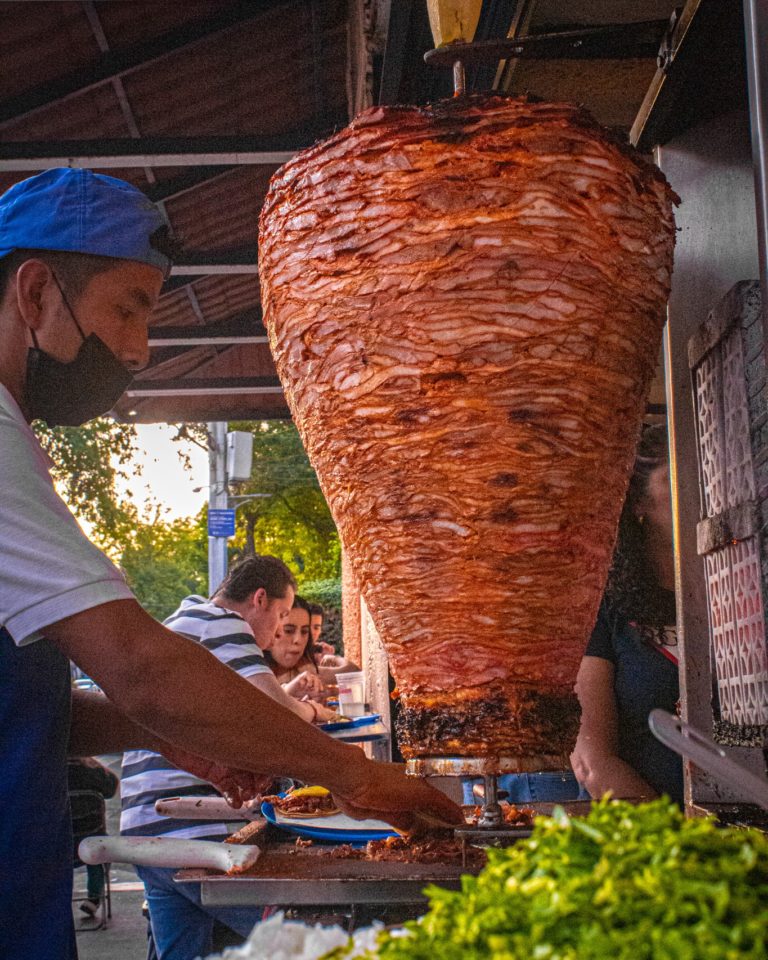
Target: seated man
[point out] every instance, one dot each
(244, 617)
(318, 646)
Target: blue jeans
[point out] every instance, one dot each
(181, 926)
(530, 787)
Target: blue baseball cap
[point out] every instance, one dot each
(78, 211)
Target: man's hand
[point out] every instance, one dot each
(307, 684)
(237, 786)
(408, 803)
(334, 662)
(325, 714)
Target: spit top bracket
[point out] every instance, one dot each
(613, 41)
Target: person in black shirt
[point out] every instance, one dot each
(630, 665)
(86, 773)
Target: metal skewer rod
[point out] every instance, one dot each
(459, 79)
(491, 816)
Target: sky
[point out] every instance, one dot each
(163, 478)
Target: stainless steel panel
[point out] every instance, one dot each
(231, 892)
(710, 166)
(756, 37)
(313, 876)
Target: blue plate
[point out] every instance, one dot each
(328, 833)
(351, 723)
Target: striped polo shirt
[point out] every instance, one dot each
(147, 776)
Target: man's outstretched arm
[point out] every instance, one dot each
(176, 690)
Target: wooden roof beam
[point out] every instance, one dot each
(156, 151)
(119, 62)
(242, 328)
(210, 262)
(188, 180)
(215, 387)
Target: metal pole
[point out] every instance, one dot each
(756, 37)
(217, 499)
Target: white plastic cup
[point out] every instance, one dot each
(351, 693)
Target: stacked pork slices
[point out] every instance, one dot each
(465, 305)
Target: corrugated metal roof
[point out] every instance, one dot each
(112, 71)
(223, 214)
(256, 77)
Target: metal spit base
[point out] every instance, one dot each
(491, 820)
(482, 766)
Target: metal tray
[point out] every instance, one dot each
(310, 876)
(352, 723)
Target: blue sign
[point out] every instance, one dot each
(221, 523)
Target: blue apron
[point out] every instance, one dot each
(36, 853)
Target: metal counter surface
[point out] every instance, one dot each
(296, 876)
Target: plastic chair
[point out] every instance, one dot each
(89, 819)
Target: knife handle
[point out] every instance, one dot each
(167, 852)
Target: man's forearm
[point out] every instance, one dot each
(267, 683)
(99, 727)
(618, 777)
(171, 686)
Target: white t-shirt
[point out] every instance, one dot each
(49, 568)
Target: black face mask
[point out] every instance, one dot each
(70, 394)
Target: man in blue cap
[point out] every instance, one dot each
(82, 262)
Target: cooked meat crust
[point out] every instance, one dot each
(430, 849)
(465, 303)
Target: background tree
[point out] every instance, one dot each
(166, 561)
(291, 520)
(87, 462)
(163, 560)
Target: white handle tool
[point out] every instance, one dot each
(204, 808)
(688, 742)
(168, 852)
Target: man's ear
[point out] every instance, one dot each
(260, 598)
(35, 287)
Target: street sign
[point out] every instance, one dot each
(221, 523)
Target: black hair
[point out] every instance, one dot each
(74, 270)
(306, 654)
(256, 573)
(304, 604)
(633, 590)
(316, 610)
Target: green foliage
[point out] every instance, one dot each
(625, 883)
(166, 561)
(292, 521)
(163, 560)
(325, 592)
(328, 594)
(87, 462)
